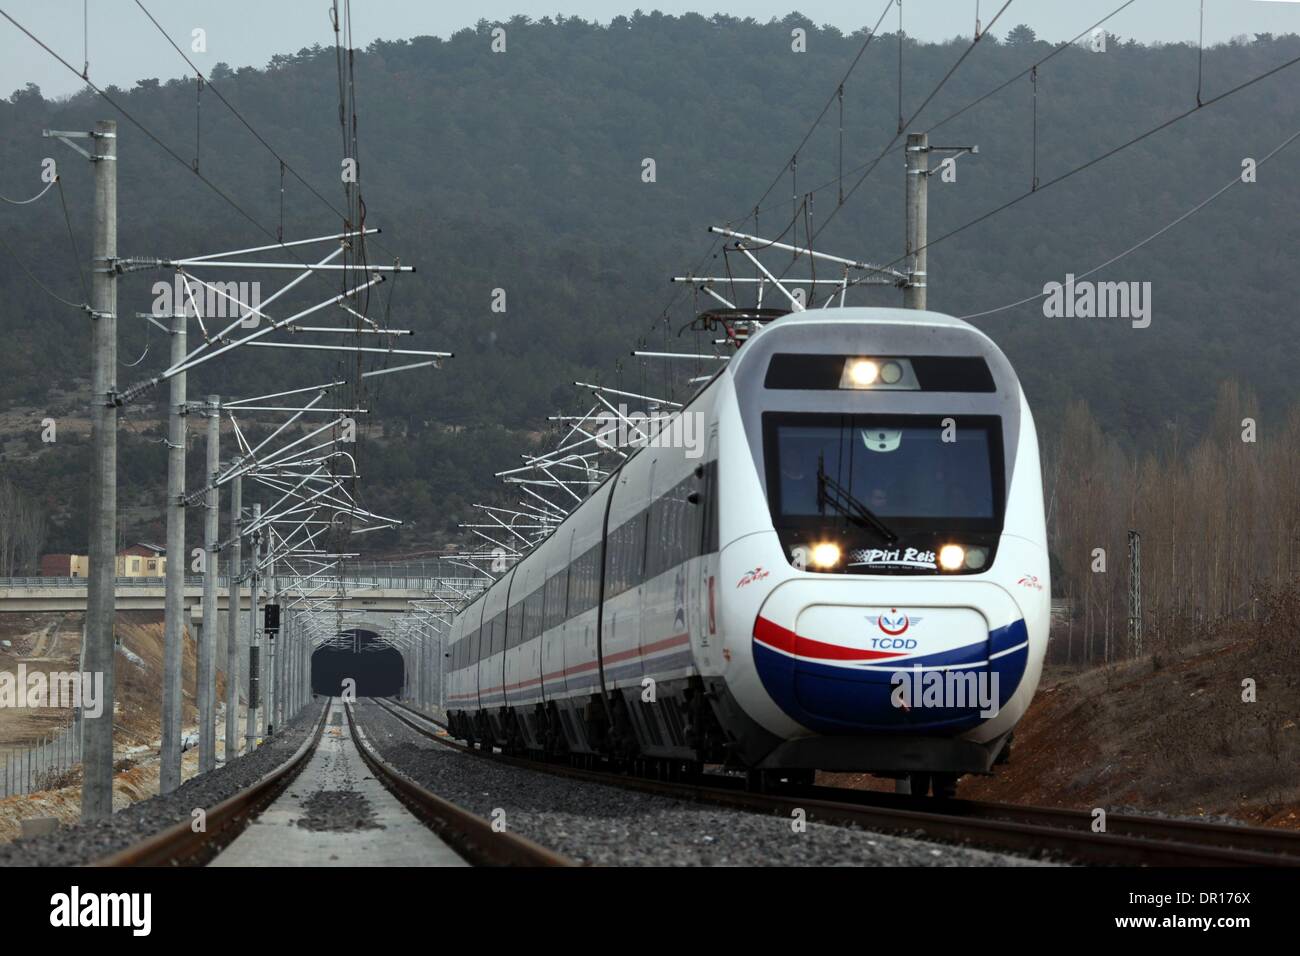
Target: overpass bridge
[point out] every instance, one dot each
(362, 592)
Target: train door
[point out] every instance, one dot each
(552, 663)
(703, 603)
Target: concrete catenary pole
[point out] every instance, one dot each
(101, 605)
(169, 771)
(917, 191)
(273, 643)
(268, 657)
(207, 665)
(254, 646)
(308, 644)
(232, 622)
(290, 667)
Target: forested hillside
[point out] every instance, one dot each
(522, 171)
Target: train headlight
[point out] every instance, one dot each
(976, 558)
(861, 373)
(866, 372)
(952, 557)
(825, 555)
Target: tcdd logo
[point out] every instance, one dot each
(894, 643)
(894, 623)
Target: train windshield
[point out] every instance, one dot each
(903, 469)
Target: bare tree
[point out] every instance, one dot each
(1219, 519)
(22, 530)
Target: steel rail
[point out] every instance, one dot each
(1129, 839)
(180, 845)
(468, 834)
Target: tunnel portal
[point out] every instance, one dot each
(377, 668)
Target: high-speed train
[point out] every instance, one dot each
(834, 559)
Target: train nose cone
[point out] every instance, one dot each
(838, 660)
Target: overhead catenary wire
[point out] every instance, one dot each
(1058, 49)
(9, 250)
(72, 240)
(754, 214)
(903, 125)
(871, 35)
(1235, 181)
(230, 106)
(226, 197)
(1115, 150)
(1057, 180)
(24, 202)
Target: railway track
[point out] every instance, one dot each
(1128, 839)
(336, 801)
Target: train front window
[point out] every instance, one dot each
(907, 470)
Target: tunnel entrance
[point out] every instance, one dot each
(377, 667)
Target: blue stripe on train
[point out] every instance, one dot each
(838, 699)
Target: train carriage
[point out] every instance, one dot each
(834, 557)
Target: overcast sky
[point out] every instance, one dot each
(125, 47)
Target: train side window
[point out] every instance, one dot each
(562, 597)
(657, 546)
(626, 564)
(533, 615)
(556, 592)
(584, 583)
(679, 521)
(575, 581)
(640, 524)
(574, 604)
(591, 575)
(613, 561)
(514, 625)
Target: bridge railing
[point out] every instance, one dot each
(393, 582)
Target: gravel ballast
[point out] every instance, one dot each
(72, 846)
(608, 825)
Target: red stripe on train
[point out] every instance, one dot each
(783, 639)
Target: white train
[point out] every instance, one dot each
(847, 571)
